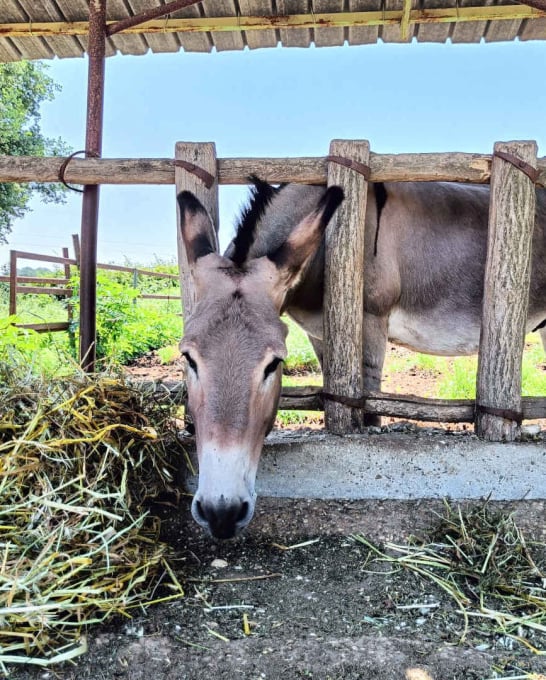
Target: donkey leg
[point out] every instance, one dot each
(542, 332)
(318, 347)
(375, 345)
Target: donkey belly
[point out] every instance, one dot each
(437, 331)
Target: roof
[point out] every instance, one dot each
(42, 29)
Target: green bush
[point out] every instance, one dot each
(127, 329)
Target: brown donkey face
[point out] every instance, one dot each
(234, 345)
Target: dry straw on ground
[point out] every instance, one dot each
(480, 558)
(79, 459)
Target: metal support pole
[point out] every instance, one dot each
(90, 205)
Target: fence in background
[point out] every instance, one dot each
(59, 286)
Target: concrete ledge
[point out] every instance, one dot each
(425, 464)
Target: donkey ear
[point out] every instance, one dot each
(196, 227)
(301, 245)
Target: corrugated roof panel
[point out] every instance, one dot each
(164, 42)
(29, 48)
(126, 44)
(363, 35)
(393, 34)
(469, 31)
(327, 37)
(498, 31)
(259, 8)
(294, 37)
(193, 42)
(224, 41)
(533, 30)
(435, 33)
(62, 46)
(26, 12)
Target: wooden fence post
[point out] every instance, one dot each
(506, 294)
(12, 282)
(203, 156)
(344, 289)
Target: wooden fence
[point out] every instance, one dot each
(58, 286)
(500, 352)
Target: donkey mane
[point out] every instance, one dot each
(260, 197)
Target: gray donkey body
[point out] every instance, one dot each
(423, 271)
(424, 266)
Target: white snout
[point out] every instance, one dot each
(225, 498)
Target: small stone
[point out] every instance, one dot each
(218, 563)
(530, 430)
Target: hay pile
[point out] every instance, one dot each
(78, 461)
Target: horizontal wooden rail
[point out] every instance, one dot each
(42, 290)
(45, 327)
(132, 270)
(35, 279)
(151, 296)
(23, 255)
(383, 404)
(418, 167)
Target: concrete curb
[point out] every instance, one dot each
(400, 466)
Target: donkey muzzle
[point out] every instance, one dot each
(223, 519)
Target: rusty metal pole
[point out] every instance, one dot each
(90, 204)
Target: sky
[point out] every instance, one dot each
(278, 102)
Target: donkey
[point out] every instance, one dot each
(425, 248)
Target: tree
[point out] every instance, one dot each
(23, 87)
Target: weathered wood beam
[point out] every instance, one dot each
(261, 23)
(202, 156)
(418, 167)
(379, 403)
(506, 293)
(344, 289)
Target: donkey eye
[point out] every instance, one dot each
(271, 367)
(191, 362)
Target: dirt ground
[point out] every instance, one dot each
(263, 606)
(314, 611)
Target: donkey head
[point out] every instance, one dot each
(234, 345)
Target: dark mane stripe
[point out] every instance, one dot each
(260, 197)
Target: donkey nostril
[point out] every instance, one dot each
(243, 512)
(200, 511)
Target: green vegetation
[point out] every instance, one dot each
(23, 87)
(126, 327)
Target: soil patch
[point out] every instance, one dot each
(255, 609)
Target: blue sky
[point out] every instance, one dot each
(280, 102)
